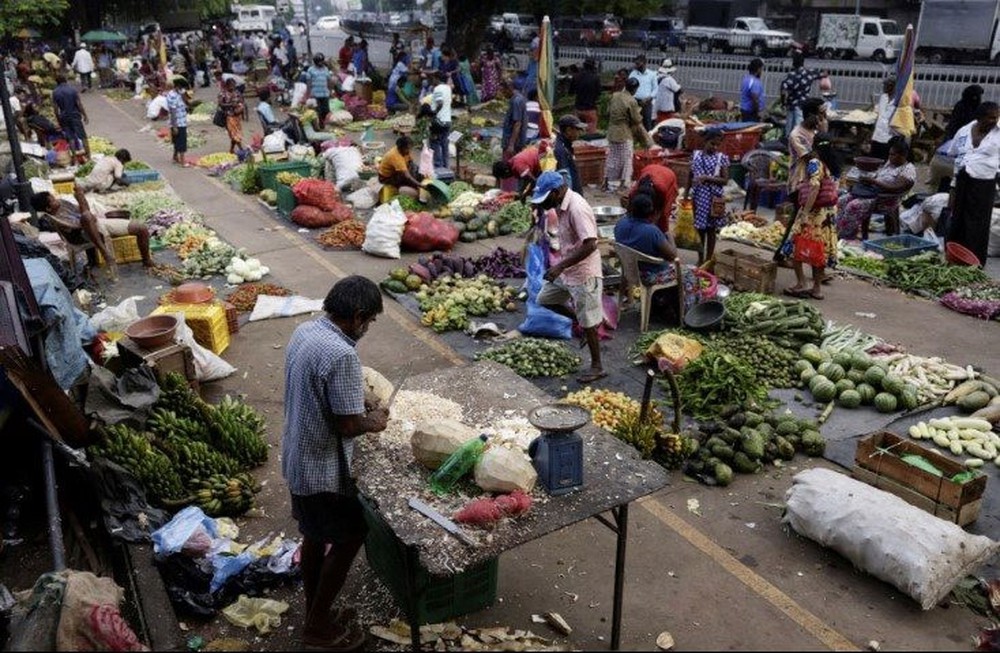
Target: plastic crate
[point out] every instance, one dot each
(590, 162)
(286, 200)
(207, 321)
(734, 143)
(64, 187)
(232, 318)
(140, 176)
(900, 246)
(437, 599)
(125, 248)
(269, 172)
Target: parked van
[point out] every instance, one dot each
(655, 32)
(588, 31)
(519, 26)
(845, 36)
(253, 18)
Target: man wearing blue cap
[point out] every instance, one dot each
(577, 275)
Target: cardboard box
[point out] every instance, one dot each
(878, 463)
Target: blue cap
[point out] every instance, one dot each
(547, 182)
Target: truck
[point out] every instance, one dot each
(253, 18)
(959, 31)
(846, 36)
(744, 33)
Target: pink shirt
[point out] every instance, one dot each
(577, 224)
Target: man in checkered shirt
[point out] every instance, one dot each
(325, 409)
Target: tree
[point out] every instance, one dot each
(467, 23)
(17, 14)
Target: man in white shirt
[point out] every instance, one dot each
(883, 133)
(441, 122)
(668, 92)
(83, 64)
(646, 92)
(106, 173)
(976, 148)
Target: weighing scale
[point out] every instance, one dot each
(557, 454)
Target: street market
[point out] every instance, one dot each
(721, 406)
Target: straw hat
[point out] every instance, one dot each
(667, 67)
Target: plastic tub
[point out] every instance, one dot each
(959, 255)
(902, 246)
(153, 331)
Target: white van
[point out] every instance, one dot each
(519, 26)
(253, 18)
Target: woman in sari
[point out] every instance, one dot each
(491, 71)
(231, 103)
(468, 85)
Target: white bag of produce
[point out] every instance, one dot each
(385, 231)
(376, 385)
(505, 469)
(363, 198)
(922, 555)
(993, 248)
(339, 118)
(347, 163)
(299, 94)
(208, 366)
(433, 442)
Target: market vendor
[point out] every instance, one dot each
(80, 220)
(976, 148)
(525, 166)
(884, 189)
(662, 188)
(325, 410)
(570, 129)
(924, 216)
(577, 277)
(397, 170)
(311, 125)
(107, 172)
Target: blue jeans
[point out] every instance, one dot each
(793, 118)
(439, 146)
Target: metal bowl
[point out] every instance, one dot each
(153, 331)
(704, 316)
(559, 418)
(608, 213)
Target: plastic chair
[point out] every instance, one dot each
(630, 260)
(758, 175)
(76, 242)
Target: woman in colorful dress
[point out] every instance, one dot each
(231, 103)
(709, 174)
(469, 92)
(814, 237)
(491, 70)
(895, 177)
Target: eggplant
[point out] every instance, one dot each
(422, 271)
(469, 270)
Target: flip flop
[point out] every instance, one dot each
(590, 377)
(812, 295)
(791, 292)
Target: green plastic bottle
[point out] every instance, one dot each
(457, 465)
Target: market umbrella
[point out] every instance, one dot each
(100, 35)
(27, 33)
(546, 79)
(902, 118)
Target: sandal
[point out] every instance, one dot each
(797, 293)
(590, 377)
(812, 294)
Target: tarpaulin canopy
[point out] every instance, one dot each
(100, 35)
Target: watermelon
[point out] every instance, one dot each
(893, 384)
(849, 399)
(816, 380)
(861, 361)
(856, 376)
(803, 365)
(835, 372)
(885, 402)
(844, 384)
(866, 392)
(825, 391)
(807, 374)
(909, 399)
(843, 359)
(811, 353)
(874, 376)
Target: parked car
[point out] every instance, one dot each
(520, 26)
(589, 31)
(328, 23)
(655, 32)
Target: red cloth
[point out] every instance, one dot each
(527, 161)
(664, 189)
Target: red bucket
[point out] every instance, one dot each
(958, 255)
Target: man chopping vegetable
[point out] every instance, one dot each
(325, 409)
(577, 275)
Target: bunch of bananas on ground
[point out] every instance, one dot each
(132, 450)
(237, 431)
(167, 424)
(221, 495)
(673, 449)
(176, 395)
(195, 459)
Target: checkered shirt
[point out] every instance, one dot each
(322, 379)
(177, 108)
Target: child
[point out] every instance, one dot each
(709, 173)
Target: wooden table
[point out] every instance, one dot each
(614, 476)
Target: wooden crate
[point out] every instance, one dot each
(172, 357)
(878, 463)
(745, 272)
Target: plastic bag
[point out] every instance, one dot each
(425, 233)
(207, 365)
(312, 217)
(116, 318)
(385, 231)
(426, 167)
(316, 192)
(339, 117)
(268, 306)
(545, 323)
(921, 554)
(685, 235)
(262, 614)
(274, 142)
(299, 91)
(363, 198)
(187, 524)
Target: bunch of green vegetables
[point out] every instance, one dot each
(774, 365)
(925, 272)
(715, 380)
(875, 267)
(531, 357)
(790, 324)
(211, 258)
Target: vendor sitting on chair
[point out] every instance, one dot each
(882, 191)
(396, 171)
(77, 221)
(526, 166)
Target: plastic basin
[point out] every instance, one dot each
(959, 255)
(704, 316)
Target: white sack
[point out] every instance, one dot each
(385, 231)
(433, 442)
(268, 306)
(299, 94)
(118, 317)
(377, 385)
(346, 163)
(208, 366)
(993, 248)
(922, 555)
(156, 106)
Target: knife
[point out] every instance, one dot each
(441, 521)
(406, 374)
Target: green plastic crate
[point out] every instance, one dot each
(286, 200)
(269, 171)
(437, 599)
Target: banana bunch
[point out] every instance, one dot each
(673, 449)
(194, 458)
(238, 432)
(167, 424)
(177, 395)
(132, 450)
(221, 495)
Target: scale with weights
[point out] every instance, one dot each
(557, 454)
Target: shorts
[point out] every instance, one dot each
(180, 140)
(587, 299)
(112, 228)
(322, 108)
(74, 131)
(329, 517)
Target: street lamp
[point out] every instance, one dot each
(309, 47)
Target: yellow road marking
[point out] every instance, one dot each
(392, 310)
(804, 618)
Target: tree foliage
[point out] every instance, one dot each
(620, 8)
(17, 14)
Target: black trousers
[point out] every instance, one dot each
(970, 221)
